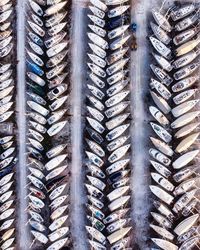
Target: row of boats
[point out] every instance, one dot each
(47, 141)
(8, 150)
(107, 126)
(174, 152)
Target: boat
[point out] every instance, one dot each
(54, 151)
(4, 34)
(161, 20)
(95, 135)
(40, 100)
(36, 8)
(58, 201)
(117, 11)
(40, 128)
(94, 159)
(52, 62)
(56, 128)
(54, 173)
(160, 102)
(55, 19)
(56, 71)
(97, 70)
(56, 49)
(184, 83)
(119, 42)
(55, 162)
(36, 201)
(7, 244)
(161, 75)
(167, 217)
(186, 130)
(4, 163)
(120, 244)
(99, 41)
(39, 236)
(95, 192)
(53, 9)
(97, 30)
(186, 224)
(117, 87)
(97, 3)
(162, 232)
(5, 42)
(157, 114)
(36, 28)
(164, 63)
(56, 33)
(161, 169)
(116, 121)
(160, 47)
(97, 12)
(118, 235)
(95, 113)
(184, 96)
(184, 107)
(95, 212)
(96, 103)
(36, 48)
(96, 245)
(119, 203)
(37, 173)
(186, 143)
(161, 132)
(186, 22)
(6, 214)
(4, 180)
(160, 33)
(117, 166)
(156, 154)
(4, 197)
(6, 187)
(6, 224)
(5, 67)
(96, 182)
(184, 186)
(57, 91)
(36, 59)
(187, 47)
(38, 108)
(97, 203)
(96, 20)
(36, 182)
(113, 145)
(117, 109)
(5, 92)
(185, 36)
(59, 233)
(58, 103)
(96, 148)
(117, 77)
(162, 181)
(57, 191)
(184, 159)
(191, 242)
(117, 66)
(96, 91)
(116, 98)
(58, 244)
(58, 223)
(97, 50)
(97, 60)
(36, 144)
(186, 71)
(115, 2)
(95, 234)
(164, 244)
(161, 194)
(119, 153)
(116, 193)
(35, 216)
(5, 15)
(181, 12)
(118, 176)
(95, 124)
(183, 174)
(116, 132)
(184, 119)
(36, 19)
(56, 116)
(117, 31)
(186, 59)
(58, 212)
(117, 225)
(162, 146)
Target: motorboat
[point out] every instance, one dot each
(97, 12)
(57, 191)
(5, 42)
(95, 113)
(162, 146)
(4, 35)
(184, 96)
(96, 91)
(184, 159)
(5, 15)
(36, 182)
(117, 143)
(5, 108)
(37, 29)
(96, 148)
(58, 103)
(95, 171)
(185, 71)
(55, 19)
(35, 216)
(97, 203)
(36, 59)
(116, 215)
(96, 245)
(96, 80)
(162, 232)
(156, 154)
(95, 234)
(4, 180)
(58, 212)
(96, 212)
(96, 125)
(117, 166)
(54, 173)
(164, 210)
(116, 132)
(187, 47)
(186, 130)
(94, 135)
(96, 160)
(4, 197)
(161, 220)
(160, 47)
(97, 70)
(7, 243)
(97, 3)
(36, 144)
(96, 20)
(35, 38)
(117, 31)
(58, 244)
(121, 243)
(161, 132)
(185, 36)
(37, 173)
(40, 128)
(186, 224)
(160, 102)
(117, 109)
(158, 115)
(36, 135)
(96, 103)
(53, 9)
(40, 100)
(6, 187)
(99, 41)
(117, 66)
(36, 19)
(186, 22)
(117, 225)
(56, 49)
(116, 98)
(58, 202)
(193, 241)
(6, 214)
(117, 87)
(186, 59)
(115, 2)
(4, 163)
(164, 63)
(55, 71)
(118, 177)
(164, 244)
(56, 128)
(55, 150)
(116, 121)
(117, 11)
(56, 32)
(96, 182)
(116, 55)
(117, 77)
(38, 203)
(36, 8)
(95, 192)
(185, 173)
(118, 203)
(36, 48)
(52, 62)
(184, 119)
(56, 116)
(97, 50)
(186, 143)
(161, 169)
(118, 153)
(161, 75)
(119, 42)
(5, 92)
(184, 186)
(184, 83)
(182, 12)
(59, 233)
(118, 192)
(118, 235)
(97, 60)
(56, 92)
(5, 67)
(162, 181)
(161, 20)
(38, 108)
(160, 33)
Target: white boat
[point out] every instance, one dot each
(116, 215)
(54, 173)
(160, 47)
(97, 60)
(163, 182)
(96, 91)
(55, 162)
(6, 224)
(97, 50)
(157, 114)
(5, 42)
(116, 121)
(57, 191)
(59, 233)
(55, 19)
(58, 244)
(6, 84)
(186, 143)
(191, 242)
(113, 145)
(6, 214)
(36, 28)
(7, 244)
(36, 59)
(186, 130)
(164, 244)
(161, 194)
(97, 30)
(96, 103)
(185, 36)
(56, 33)
(7, 153)
(184, 96)
(116, 98)
(117, 77)
(6, 187)
(117, 87)
(184, 83)
(40, 128)
(53, 9)
(161, 169)
(118, 192)
(94, 191)
(187, 47)
(40, 100)
(186, 59)
(161, 75)
(52, 62)
(36, 201)
(6, 162)
(4, 197)
(161, 103)
(96, 20)
(36, 48)
(119, 153)
(39, 236)
(186, 224)
(160, 33)
(38, 108)
(97, 203)
(117, 31)
(96, 80)
(58, 201)
(97, 70)
(162, 220)
(119, 203)
(117, 225)
(56, 71)
(96, 245)
(58, 103)
(36, 19)
(116, 132)
(35, 78)
(5, 26)
(96, 182)
(99, 4)
(115, 2)
(58, 212)
(36, 144)
(162, 146)
(96, 160)
(97, 12)
(56, 128)
(56, 49)
(186, 71)
(96, 125)
(56, 116)
(184, 107)
(4, 180)
(37, 173)
(156, 154)
(95, 113)
(161, 20)
(96, 148)
(161, 132)
(5, 67)
(182, 12)
(184, 159)
(36, 216)
(98, 40)
(95, 234)
(117, 166)
(184, 119)
(117, 11)
(164, 63)
(5, 92)
(118, 235)
(120, 244)
(36, 182)
(57, 91)
(116, 55)
(117, 66)
(117, 109)
(186, 22)
(184, 186)
(5, 15)
(58, 223)
(55, 150)
(95, 212)
(36, 8)
(162, 232)
(119, 42)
